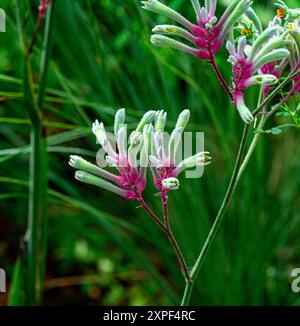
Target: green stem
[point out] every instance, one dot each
(240, 167)
(43, 223)
(33, 216)
(179, 255)
(225, 204)
(172, 240)
(187, 293)
(34, 206)
(289, 78)
(257, 135)
(37, 222)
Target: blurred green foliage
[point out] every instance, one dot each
(102, 249)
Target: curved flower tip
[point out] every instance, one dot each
(167, 42)
(198, 160)
(75, 161)
(242, 108)
(183, 119)
(119, 120)
(266, 80)
(160, 120)
(171, 183)
(99, 131)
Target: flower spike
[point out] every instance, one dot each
(257, 66)
(148, 147)
(208, 35)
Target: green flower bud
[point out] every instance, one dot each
(251, 14)
(134, 148)
(147, 142)
(268, 80)
(262, 38)
(99, 131)
(174, 143)
(197, 7)
(183, 119)
(239, 10)
(295, 33)
(88, 178)
(159, 8)
(160, 120)
(276, 43)
(174, 30)
(119, 120)
(147, 118)
(274, 55)
(80, 164)
(167, 42)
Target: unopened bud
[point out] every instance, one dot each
(119, 120)
(171, 183)
(88, 178)
(183, 119)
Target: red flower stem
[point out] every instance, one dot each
(171, 238)
(149, 211)
(164, 201)
(220, 76)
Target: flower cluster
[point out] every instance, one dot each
(258, 56)
(146, 148)
(251, 65)
(208, 35)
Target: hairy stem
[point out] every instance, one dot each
(164, 202)
(172, 240)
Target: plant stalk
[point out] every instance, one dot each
(220, 76)
(218, 221)
(37, 220)
(240, 166)
(172, 240)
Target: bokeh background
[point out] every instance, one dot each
(102, 250)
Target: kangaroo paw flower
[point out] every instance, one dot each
(243, 110)
(207, 35)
